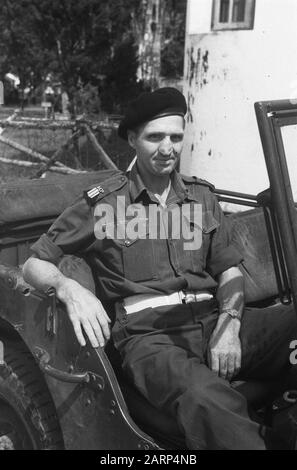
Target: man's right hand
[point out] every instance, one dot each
(85, 312)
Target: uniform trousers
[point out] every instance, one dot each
(164, 353)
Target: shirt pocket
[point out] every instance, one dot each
(210, 225)
(139, 259)
(202, 236)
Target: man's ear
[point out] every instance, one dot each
(131, 138)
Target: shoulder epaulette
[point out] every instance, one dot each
(195, 180)
(95, 193)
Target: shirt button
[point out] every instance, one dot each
(127, 243)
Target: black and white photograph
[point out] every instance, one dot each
(148, 227)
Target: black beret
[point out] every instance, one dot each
(166, 101)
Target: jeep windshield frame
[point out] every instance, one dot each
(272, 117)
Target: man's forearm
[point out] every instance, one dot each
(85, 311)
(224, 351)
(230, 293)
(42, 275)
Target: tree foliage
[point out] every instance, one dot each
(80, 42)
(173, 40)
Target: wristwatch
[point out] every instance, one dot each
(233, 313)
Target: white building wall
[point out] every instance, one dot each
(225, 73)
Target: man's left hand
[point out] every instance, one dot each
(224, 348)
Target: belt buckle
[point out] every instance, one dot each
(188, 298)
(182, 296)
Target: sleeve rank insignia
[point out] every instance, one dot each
(95, 192)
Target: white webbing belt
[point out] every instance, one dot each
(139, 302)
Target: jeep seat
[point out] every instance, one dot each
(251, 239)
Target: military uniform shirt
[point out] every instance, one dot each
(125, 266)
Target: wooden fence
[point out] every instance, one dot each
(42, 163)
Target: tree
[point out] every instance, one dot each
(159, 27)
(79, 42)
(19, 50)
(173, 38)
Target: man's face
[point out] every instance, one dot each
(158, 145)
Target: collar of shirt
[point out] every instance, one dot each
(178, 191)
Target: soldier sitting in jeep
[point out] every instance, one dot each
(180, 323)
